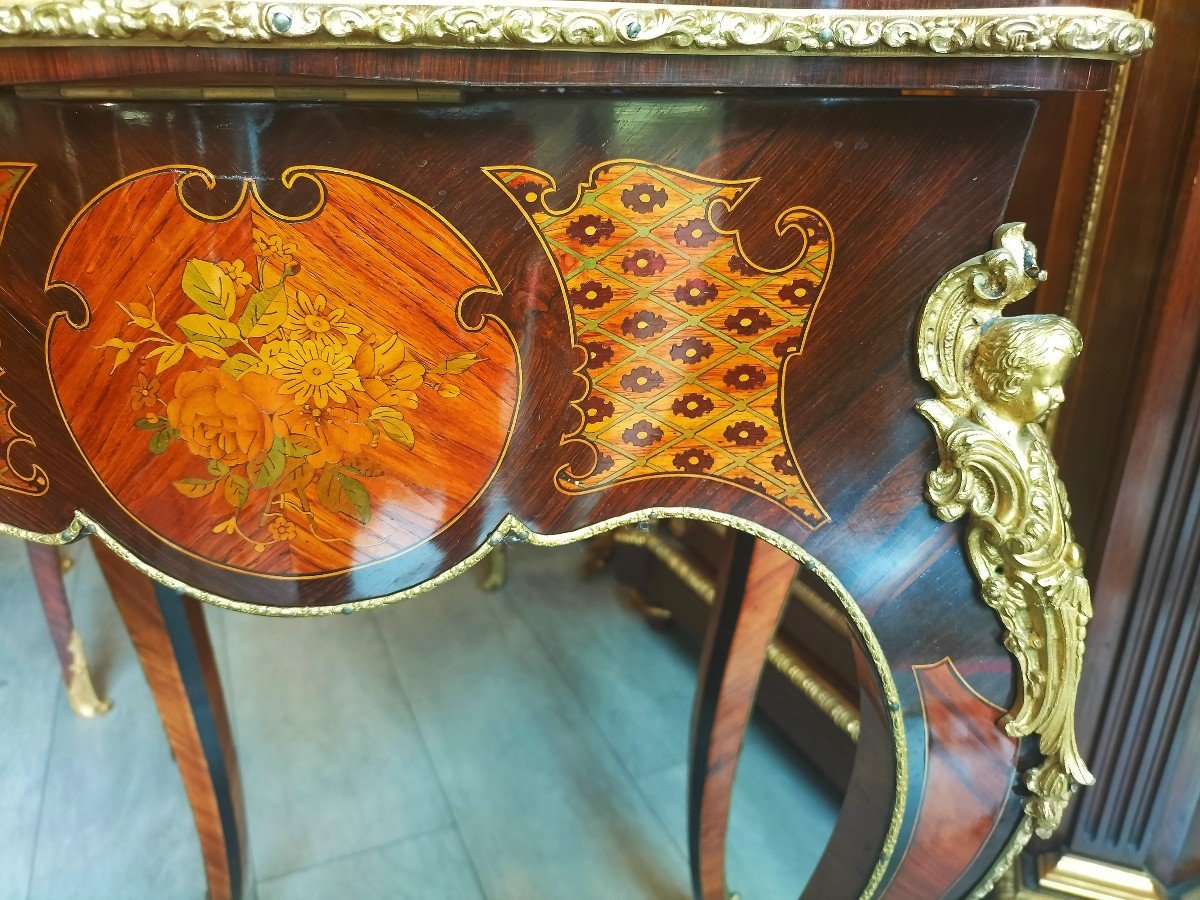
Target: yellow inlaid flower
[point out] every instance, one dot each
(316, 373)
(273, 248)
(237, 273)
(282, 529)
(313, 319)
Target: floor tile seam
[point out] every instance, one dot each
(600, 731)
(430, 758)
(37, 830)
(359, 852)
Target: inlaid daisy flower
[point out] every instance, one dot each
(747, 321)
(691, 350)
(642, 433)
(599, 354)
(591, 294)
(795, 293)
(314, 319)
(598, 409)
(745, 433)
(316, 373)
(236, 270)
(692, 405)
(745, 377)
(782, 463)
(643, 324)
(145, 392)
(644, 262)
(641, 380)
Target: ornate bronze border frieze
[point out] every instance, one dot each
(581, 25)
(996, 379)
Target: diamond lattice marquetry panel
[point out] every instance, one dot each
(686, 337)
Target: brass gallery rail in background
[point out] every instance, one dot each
(820, 692)
(581, 25)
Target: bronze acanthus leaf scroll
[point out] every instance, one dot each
(996, 379)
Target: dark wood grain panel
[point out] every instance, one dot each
(969, 768)
(491, 69)
(1145, 743)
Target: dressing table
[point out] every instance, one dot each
(307, 307)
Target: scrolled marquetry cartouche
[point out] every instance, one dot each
(996, 379)
(582, 25)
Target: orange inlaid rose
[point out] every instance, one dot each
(336, 431)
(221, 418)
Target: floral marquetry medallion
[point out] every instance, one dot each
(686, 337)
(282, 394)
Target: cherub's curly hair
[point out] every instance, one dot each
(1012, 349)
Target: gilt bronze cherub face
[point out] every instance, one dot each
(1021, 364)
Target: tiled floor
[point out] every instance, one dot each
(528, 743)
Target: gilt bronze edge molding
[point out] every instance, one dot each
(581, 25)
(996, 379)
(1007, 858)
(513, 530)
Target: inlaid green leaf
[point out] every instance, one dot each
(205, 350)
(209, 288)
(239, 364)
(267, 468)
(170, 356)
(264, 312)
(200, 327)
(299, 445)
(194, 487)
(297, 475)
(237, 489)
(394, 426)
(342, 493)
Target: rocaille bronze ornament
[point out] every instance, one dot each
(583, 25)
(997, 379)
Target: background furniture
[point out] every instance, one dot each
(809, 687)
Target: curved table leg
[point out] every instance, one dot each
(172, 643)
(48, 576)
(744, 618)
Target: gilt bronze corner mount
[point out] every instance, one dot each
(996, 379)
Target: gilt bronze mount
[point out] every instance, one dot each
(1077, 32)
(997, 379)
